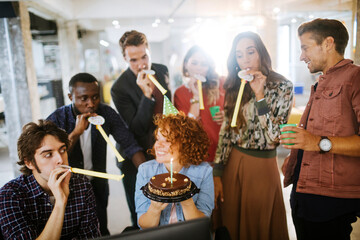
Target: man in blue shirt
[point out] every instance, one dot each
(88, 147)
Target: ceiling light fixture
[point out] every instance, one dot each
(260, 21)
(198, 19)
(185, 40)
(174, 11)
(276, 10)
(246, 5)
(104, 43)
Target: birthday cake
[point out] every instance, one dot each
(161, 185)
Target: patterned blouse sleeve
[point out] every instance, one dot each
(223, 148)
(280, 102)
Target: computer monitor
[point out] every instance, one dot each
(198, 229)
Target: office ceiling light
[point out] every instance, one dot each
(154, 25)
(115, 22)
(260, 21)
(185, 40)
(171, 15)
(104, 43)
(158, 20)
(246, 5)
(276, 10)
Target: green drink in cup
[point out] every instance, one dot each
(214, 110)
(288, 125)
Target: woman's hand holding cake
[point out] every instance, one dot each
(187, 146)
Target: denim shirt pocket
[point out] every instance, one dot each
(331, 103)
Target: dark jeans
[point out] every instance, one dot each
(129, 170)
(336, 229)
(101, 191)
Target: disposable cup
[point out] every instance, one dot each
(288, 125)
(214, 110)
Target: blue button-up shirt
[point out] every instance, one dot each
(201, 175)
(64, 118)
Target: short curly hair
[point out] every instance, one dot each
(188, 133)
(31, 138)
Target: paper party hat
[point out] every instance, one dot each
(168, 107)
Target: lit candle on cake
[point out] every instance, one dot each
(171, 170)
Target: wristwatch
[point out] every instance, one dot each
(325, 144)
(193, 100)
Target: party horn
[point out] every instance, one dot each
(200, 80)
(150, 74)
(94, 173)
(244, 78)
(98, 121)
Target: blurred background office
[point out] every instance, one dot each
(45, 42)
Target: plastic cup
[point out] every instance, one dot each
(288, 125)
(214, 110)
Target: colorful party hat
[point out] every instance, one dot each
(168, 107)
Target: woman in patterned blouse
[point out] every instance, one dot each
(246, 176)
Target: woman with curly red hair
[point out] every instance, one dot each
(183, 139)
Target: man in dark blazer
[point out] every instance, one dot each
(138, 100)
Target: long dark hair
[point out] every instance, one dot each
(232, 83)
(212, 78)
